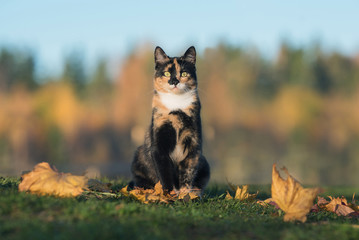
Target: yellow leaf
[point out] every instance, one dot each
(188, 194)
(158, 189)
(242, 194)
(291, 197)
(124, 191)
(228, 196)
(45, 180)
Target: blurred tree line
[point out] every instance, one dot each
(300, 109)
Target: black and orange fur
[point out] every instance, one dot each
(172, 151)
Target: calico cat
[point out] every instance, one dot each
(172, 150)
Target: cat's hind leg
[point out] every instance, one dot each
(202, 175)
(144, 175)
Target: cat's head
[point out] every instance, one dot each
(175, 74)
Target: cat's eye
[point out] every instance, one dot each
(167, 74)
(184, 74)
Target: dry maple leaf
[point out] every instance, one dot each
(332, 205)
(291, 197)
(45, 180)
(339, 206)
(241, 193)
(187, 194)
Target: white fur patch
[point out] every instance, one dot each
(177, 155)
(177, 101)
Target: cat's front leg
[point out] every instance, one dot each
(165, 141)
(165, 170)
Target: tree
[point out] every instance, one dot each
(73, 71)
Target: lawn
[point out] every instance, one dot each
(114, 216)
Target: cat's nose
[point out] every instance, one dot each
(173, 81)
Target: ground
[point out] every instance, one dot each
(115, 216)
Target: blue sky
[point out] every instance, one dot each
(113, 28)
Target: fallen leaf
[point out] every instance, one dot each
(228, 196)
(334, 202)
(240, 193)
(45, 180)
(291, 197)
(243, 194)
(124, 191)
(343, 210)
(341, 207)
(187, 194)
(322, 201)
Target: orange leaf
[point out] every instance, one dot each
(158, 189)
(188, 194)
(228, 196)
(45, 180)
(291, 197)
(242, 194)
(124, 191)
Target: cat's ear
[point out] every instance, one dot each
(160, 55)
(190, 55)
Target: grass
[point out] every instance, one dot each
(100, 216)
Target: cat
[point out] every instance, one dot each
(172, 150)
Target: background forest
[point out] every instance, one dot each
(299, 108)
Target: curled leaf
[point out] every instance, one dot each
(291, 197)
(340, 206)
(334, 202)
(243, 194)
(45, 180)
(240, 194)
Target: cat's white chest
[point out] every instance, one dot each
(175, 102)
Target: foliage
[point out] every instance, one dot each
(299, 106)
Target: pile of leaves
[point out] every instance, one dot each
(157, 194)
(287, 194)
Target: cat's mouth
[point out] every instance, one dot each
(178, 88)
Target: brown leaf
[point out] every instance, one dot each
(187, 194)
(332, 205)
(45, 180)
(341, 207)
(322, 201)
(242, 194)
(343, 210)
(291, 197)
